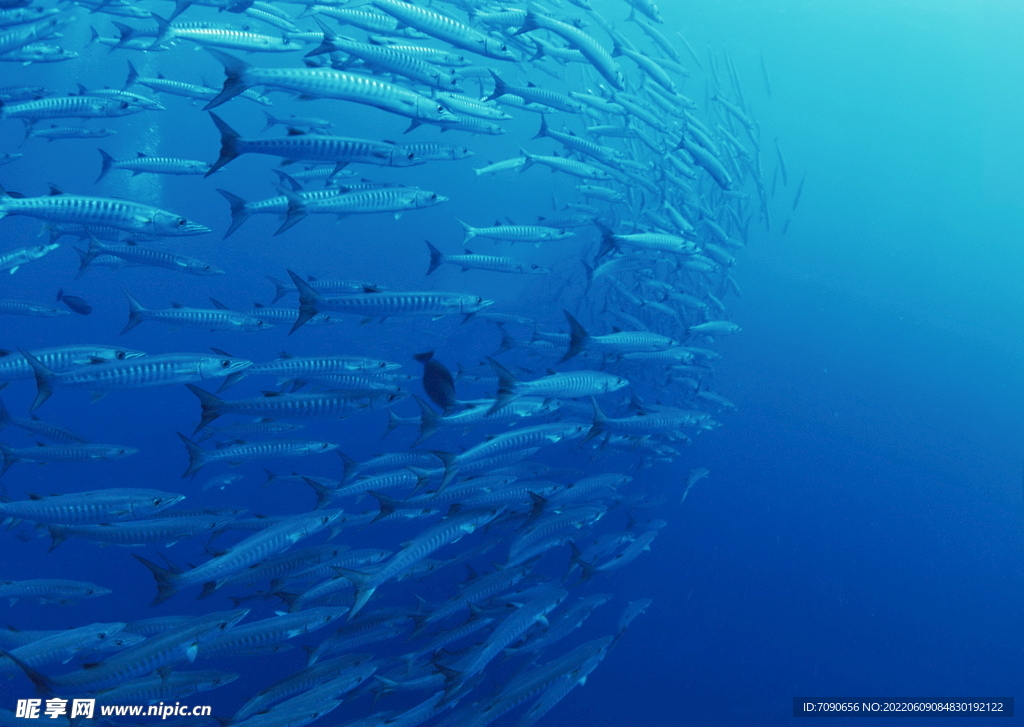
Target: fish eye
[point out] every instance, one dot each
(433, 196)
(120, 355)
(440, 108)
(181, 221)
(225, 363)
(410, 155)
(157, 501)
(124, 104)
(206, 267)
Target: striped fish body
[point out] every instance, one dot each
(136, 373)
(442, 27)
(102, 212)
(213, 319)
(14, 259)
(571, 385)
(28, 308)
(334, 149)
(158, 531)
(68, 107)
(95, 506)
(236, 40)
(144, 164)
(148, 256)
(326, 404)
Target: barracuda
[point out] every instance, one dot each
(65, 107)
(568, 166)
(593, 51)
(386, 304)
(253, 549)
(161, 370)
(364, 202)
(328, 83)
(158, 531)
(59, 207)
(300, 146)
(236, 454)
(148, 256)
(64, 453)
(142, 163)
(293, 367)
(471, 261)
(219, 318)
(447, 29)
(385, 59)
(566, 384)
(516, 233)
(326, 404)
(29, 308)
(449, 530)
(175, 646)
(12, 260)
(94, 506)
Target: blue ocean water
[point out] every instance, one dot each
(859, 535)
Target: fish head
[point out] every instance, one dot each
(462, 152)
(170, 224)
(37, 251)
(496, 48)
(616, 382)
(116, 452)
(473, 303)
(213, 367)
(424, 198)
(430, 109)
(315, 447)
(255, 324)
(198, 267)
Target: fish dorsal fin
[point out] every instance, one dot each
(34, 496)
(285, 354)
(220, 352)
(616, 329)
(177, 305)
(218, 305)
(55, 190)
(270, 394)
(295, 132)
(140, 154)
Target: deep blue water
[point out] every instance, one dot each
(859, 535)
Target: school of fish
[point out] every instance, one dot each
(543, 486)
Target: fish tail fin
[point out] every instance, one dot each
(394, 422)
(165, 585)
(240, 212)
(44, 687)
(577, 559)
(44, 381)
(196, 456)
(348, 466)
(9, 458)
(228, 144)
(429, 422)
(164, 32)
(608, 243)
(543, 128)
(234, 78)
(327, 43)
(271, 121)
(470, 232)
(529, 23)
(364, 590)
(436, 258)
(500, 87)
(135, 309)
(296, 212)
(451, 467)
(324, 494)
(106, 165)
(308, 301)
(577, 337)
(597, 428)
(210, 404)
(506, 385)
(57, 536)
(281, 289)
(133, 76)
(387, 504)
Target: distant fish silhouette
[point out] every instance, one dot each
(75, 303)
(437, 381)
